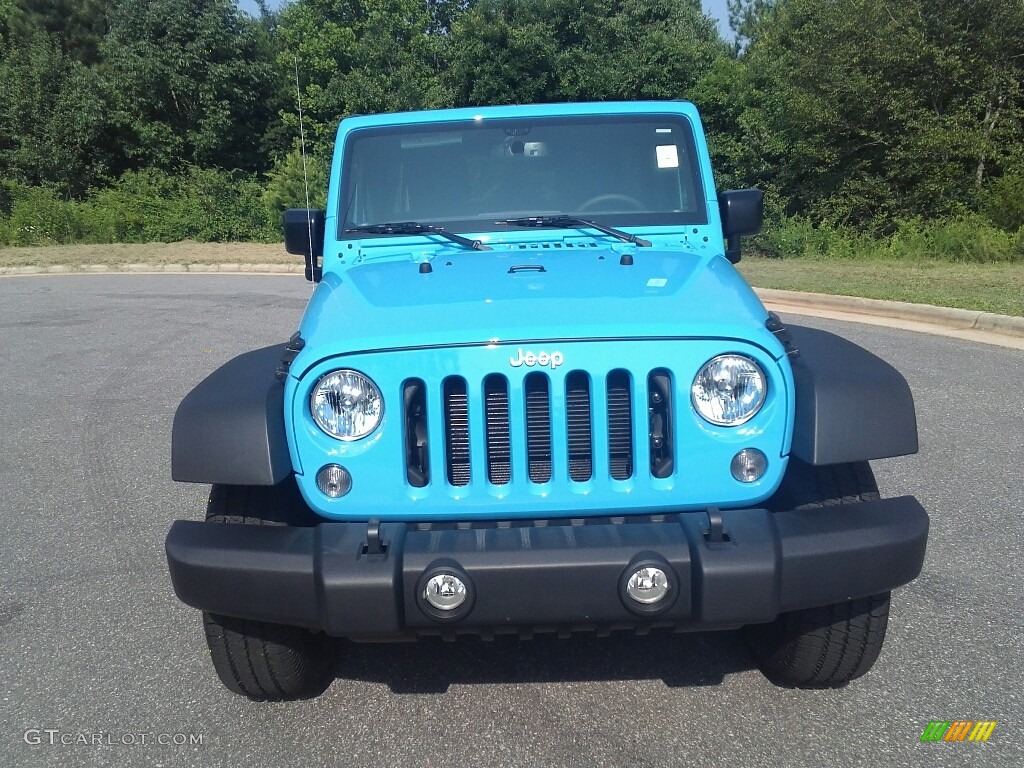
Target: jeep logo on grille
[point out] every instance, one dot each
(529, 359)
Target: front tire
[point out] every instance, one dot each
(821, 647)
(827, 646)
(265, 662)
(268, 662)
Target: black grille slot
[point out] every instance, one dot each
(538, 427)
(577, 422)
(620, 426)
(499, 448)
(496, 437)
(456, 430)
(659, 410)
(417, 461)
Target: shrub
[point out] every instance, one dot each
(1003, 201)
(964, 239)
(138, 208)
(970, 238)
(799, 238)
(218, 206)
(40, 217)
(286, 187)
(144, 206)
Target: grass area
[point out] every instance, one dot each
(992, 287)
(989, 287)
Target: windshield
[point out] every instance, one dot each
(627, 170)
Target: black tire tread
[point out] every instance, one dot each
(809, 487)
(265, 662)
(822, 647)
(827, 646)
(281, 504)
(268, 662)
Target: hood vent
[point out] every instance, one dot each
(568, 245)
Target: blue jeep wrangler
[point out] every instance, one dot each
(531, 393)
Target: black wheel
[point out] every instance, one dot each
(265, 662)
(828, 646)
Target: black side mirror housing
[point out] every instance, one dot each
(304, 235)
(742, 212)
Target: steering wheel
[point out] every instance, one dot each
(599, 201)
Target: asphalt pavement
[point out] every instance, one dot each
(101, 665)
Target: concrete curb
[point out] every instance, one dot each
(948, 317)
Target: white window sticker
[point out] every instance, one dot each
(668, 156)
(657, 282)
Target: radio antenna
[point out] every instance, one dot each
(305, 176)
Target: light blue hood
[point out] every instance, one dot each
(514, 295)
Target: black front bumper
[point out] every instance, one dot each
(744, 568)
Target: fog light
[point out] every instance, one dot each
(647, 585)
(334, 481)
(445, 591)
(748, 465)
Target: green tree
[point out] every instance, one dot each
(278, 92)
(365, 56)
(865, 111)
(79, 25)
(6, 9)
(746, 18)
(505, 53)
(194, 82)
(508, 51)
(52, 117)
(720, 99)
(292, 179)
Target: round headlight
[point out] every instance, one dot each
(728, 390)
(346, 405)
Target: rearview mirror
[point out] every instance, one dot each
(742, 212)
(304, 235)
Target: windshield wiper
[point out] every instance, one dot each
(415, 228)
(572, 222)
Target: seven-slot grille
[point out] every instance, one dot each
(517, 415)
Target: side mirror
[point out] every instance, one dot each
(304, 235)
(742, 212)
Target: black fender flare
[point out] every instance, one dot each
(230, 428)
(850, 404)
